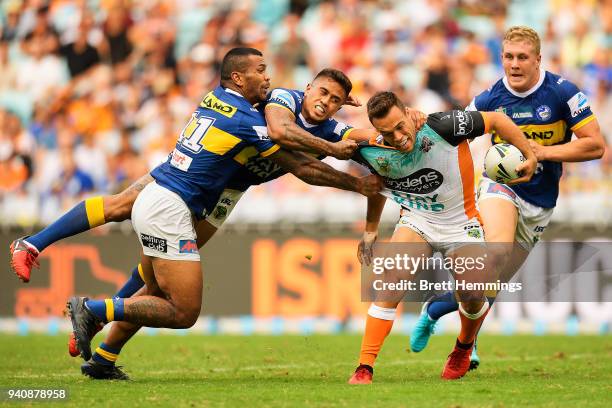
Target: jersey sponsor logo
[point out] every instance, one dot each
(502, 110)
(188, 246)
(546, 134)
(422, 181)
(262, 167)
(544, 112)
(421, 202)
(180, 160)
(495, 188)
(578, 104)
(212, 102)
(155, 243)
(522, 115)
(462, 122)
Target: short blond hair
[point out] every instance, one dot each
(523, 33)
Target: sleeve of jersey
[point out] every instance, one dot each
(337, 131)
(261, 141)
(284, 99)
(456, 126)
(576, 106)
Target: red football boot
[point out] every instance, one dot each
(457, 364)
(363, 375)
(73, 350)
(23, 258)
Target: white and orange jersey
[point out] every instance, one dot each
(436, 179)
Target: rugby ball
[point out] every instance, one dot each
(501, 161)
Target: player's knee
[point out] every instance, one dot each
(118, 207)
(186, 317)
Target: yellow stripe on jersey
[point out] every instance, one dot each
(245, 154)
(107, 355)
(583, 122)
(270, 151)
(94, 207)
(545, 135)
(347, 133)
(212, 102)
(110, 310)
(218, 141)
(281, 106)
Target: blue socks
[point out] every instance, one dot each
(130, 287)
(107, 310)
(442, 305)
(106, 355)
(82, 217)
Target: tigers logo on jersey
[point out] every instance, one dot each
(212, 102)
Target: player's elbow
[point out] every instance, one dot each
(276, 132)
(599, 150)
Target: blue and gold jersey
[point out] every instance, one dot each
(259, 169)
(547, 114)
(213, 146)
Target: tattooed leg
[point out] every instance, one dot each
(179, 307)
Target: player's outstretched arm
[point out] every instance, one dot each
(503, 125)
(589, 145)
(283, 130)
(317, 173)
(376, 204)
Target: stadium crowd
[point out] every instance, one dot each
(93, 93)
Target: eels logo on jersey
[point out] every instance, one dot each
(212, 102)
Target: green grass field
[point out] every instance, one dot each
(312, 371)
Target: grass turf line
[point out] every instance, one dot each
(269, 371)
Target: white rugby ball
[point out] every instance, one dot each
(501, 161)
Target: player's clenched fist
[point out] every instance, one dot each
(370, 185)
(344, 149)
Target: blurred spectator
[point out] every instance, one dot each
(94, 93)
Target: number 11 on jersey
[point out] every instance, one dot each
(193, 133)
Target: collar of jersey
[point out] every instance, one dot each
(306, 123)
(231, 91)
(529, 91)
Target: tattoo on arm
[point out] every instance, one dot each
(140, 184)
(313, 171)
(284, 131)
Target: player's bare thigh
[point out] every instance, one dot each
(500, 219)
(472, 265)
(118, 207)
(180, 283)
(414, 246)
